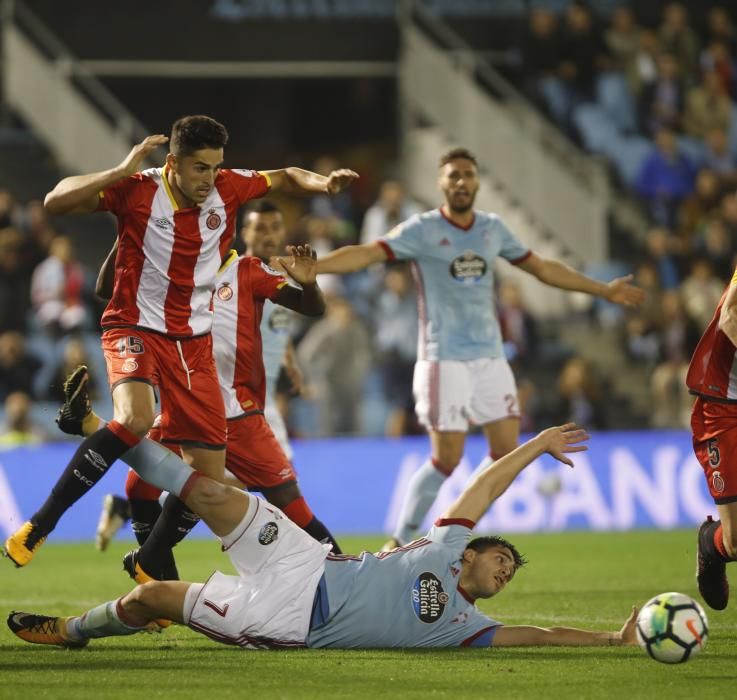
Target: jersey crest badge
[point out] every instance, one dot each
(444, 241)
(268, 533)
(225, 293)
(213, 220)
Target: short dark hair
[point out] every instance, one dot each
(260, 206)
(483, 544)
(190, 134)
(459, 152)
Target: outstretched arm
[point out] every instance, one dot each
(557, 274)
(351, 258)
(524, 635)
(491, 483)
(80, 194)
(301, 267)
(296, 180)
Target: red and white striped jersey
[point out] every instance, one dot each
(712, 373)
(168, 257)
(243, 285)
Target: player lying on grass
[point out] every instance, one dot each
(291, 592)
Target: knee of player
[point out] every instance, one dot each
(139, 424)
(143, 599)
(207, 493)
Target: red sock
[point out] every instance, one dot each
(719, 543)
(299, 512)
(137, 488)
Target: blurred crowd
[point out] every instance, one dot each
(657, 102)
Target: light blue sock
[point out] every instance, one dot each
(421, 493)
(102, 621)
(158, 466)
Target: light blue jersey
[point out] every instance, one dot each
(275, 328)
(455, 281)
(409, 597)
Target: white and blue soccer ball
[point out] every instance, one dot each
(672, 628)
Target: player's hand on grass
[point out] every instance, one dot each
(139, 153)
(338, 180)
(620, 291)
(301, 265)
(627, 635)
(562, 440)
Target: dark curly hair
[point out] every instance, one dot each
(193, 133)
(458, 153)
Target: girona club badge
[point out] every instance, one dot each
(213, 220)
(225, 293)
(717, 482)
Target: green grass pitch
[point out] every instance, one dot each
(573, 579)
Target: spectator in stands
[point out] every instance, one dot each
(646, 61)
(391, 208)
(662, 249)
(677, 338)
(74, 355)
(623, 40)
(718, 157)
(717, 57)
(395, 320)
(18, 428)
(519, 329)
(14, 296)
(707, 107)
(579, 395)
(17, 367)
(698, 206)
(720, 27)
(728, 213)
(666, 177)
(37, 233)
(679, 39)
(339, 206)
(713, 243)
(56, 290)
(7, 209)
(641, 339)
(701, 292)
(647, 279)
(662, 100)
(336, 355)
(541, 57)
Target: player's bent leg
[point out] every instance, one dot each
(447, 451)
(90, 463)
(156, 600)
(289, 499)
(134, 406)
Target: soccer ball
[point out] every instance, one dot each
(672, 628)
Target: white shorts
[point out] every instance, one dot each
(450, 394)
(270, 603)
(276, 423)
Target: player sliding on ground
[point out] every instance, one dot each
(291, 592)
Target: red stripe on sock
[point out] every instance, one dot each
(189, 485)
(445, 471)
(299, 512)
(719, 543)
(122, 433)
(141, 490)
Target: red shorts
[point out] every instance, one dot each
(714, 428)
(192, 410)
(254, 455)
